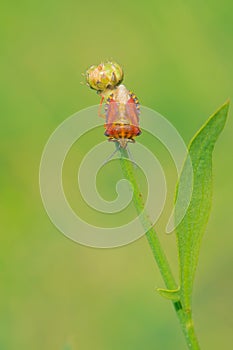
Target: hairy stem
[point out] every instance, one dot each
(184, 316)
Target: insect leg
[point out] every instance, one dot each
(100, 114)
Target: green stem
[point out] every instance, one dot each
(184, 316)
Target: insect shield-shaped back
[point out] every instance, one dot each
(104, 76)
(122, 116)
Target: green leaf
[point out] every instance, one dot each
(173, 295)
(191, 229)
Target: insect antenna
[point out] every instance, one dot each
(131, 157)
(111, 155)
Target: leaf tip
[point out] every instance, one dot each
(173, 295)
(225, 105)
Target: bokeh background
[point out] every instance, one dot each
(57, 294)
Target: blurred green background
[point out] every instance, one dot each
(57, 294)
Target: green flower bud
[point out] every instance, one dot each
(106, 75)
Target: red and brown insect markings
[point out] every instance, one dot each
(122, 116)
(124, 131)
(133, 111)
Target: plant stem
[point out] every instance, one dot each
(184, 316)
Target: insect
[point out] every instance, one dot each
(122, 116)
(122, 108)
